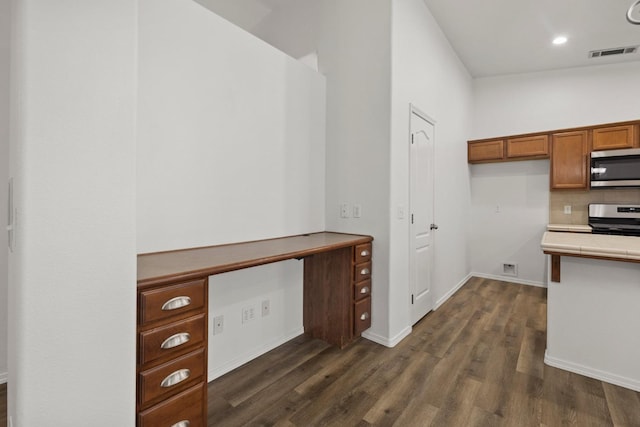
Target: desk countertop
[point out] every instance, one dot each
(192, 263)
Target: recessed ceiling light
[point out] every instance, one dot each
(560, 40)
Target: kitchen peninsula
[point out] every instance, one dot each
(593, 319)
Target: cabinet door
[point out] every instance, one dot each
(528, 147)
(614, 137)
(569, 160)
(485, 151)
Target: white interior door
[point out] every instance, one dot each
(421, 214)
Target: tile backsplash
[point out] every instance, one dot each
(579, 201)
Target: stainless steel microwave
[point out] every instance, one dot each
(615, 168)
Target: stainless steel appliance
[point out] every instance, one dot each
(615, 168)
(615, 219)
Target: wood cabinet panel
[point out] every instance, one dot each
(172, 377)
(362, 316)
(362, 253)
(528, 147)
(169, 301)
(362, 271)
(327, 296)
(485, 151)
(569, 157)
(362, 290)
(172, 340)
(614, 137)
(187, 406)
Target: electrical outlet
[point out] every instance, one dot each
(266, 308)
(218, 325)
(248, 314)
(567, 209)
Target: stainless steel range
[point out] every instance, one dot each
(615, 219)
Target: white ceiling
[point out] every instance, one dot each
(495, 37)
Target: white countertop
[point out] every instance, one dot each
(601, 245)
(574, 228)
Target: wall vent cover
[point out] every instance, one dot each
(614, 51)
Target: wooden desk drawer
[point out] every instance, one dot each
(172, 377)
(362, 253)
(171, 340)
(362, 290)
(362, 271)
(169, 301)
(362, 316)
(187, 406)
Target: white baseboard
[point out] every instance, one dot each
(387, 342)
(510, 279)
(259, 351)
(597, 374)
(4, 377)
(453, 290)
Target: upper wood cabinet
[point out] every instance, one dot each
(528, 147)
(569, 157)
(614, 137)
(485, 151)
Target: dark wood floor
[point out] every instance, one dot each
(477, 361)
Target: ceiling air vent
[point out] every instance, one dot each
(614, 51)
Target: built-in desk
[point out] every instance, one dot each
(173, 312)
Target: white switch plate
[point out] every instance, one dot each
(357, 211)
(567, 209)
(344, 210)
(266, 308)
(248, 314)
(401, 212)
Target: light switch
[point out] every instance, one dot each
(344, 210)
(567, 209)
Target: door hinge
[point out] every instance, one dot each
(412, 135)
(411, 298)
(411, 218)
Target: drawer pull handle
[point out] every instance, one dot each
(364, 271)
(364, 316)
(364, 290)
(365, 253)
(183, 423)
(175, 340)
(175, 378)
(176, 303)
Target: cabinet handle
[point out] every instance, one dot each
(183, 423)
(365, 253)
(364, 290)
(364, 271)
(364, 316)
(175, 378)
(175, 340)
(175, 303)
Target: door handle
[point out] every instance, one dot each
(433, 227)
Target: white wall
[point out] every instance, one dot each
(230, 148)
(5, 28)
(72, 293)
(427, 73)
(534, 102)
(354, 52)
